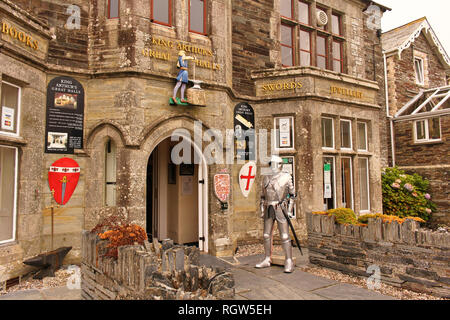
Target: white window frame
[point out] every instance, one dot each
(19, 102)
(332, 131)
(368, 186)
(277, 133)
(105, 198)
(351, 134)
(421, 71)
(352, 190)
(427, 131)
(365, 135)
(334, 178)
(16, 174)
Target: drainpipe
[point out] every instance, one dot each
(391, 119)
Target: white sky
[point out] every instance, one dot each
(404, 11)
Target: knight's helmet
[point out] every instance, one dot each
(275, 163)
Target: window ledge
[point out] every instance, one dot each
(428, 142)
(12, 140)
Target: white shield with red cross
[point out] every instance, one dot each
(247, 177)
(222, 186)
(63, 177)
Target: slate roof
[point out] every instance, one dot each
(402, 37)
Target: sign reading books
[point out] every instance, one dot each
(244, 131)
(65, 116)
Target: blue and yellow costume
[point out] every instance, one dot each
(183, 73)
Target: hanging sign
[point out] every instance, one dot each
(247, 177)
(65, 116)
(63, 177)
(244, 131)
(222, 186)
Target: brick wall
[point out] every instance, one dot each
(251, 41)
(70, 47)
(402, 75)
(407, 256)
(408, 153)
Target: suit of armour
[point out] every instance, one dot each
(275, 191)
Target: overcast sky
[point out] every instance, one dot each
(404, 11)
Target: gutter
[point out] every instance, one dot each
(391, 119)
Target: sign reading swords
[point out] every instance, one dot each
(63, 177)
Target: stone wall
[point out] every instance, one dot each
(149, 272)
(408, 256)
(253, 41)
(429, 160)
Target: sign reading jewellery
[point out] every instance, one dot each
(65, 116)
(167, 50)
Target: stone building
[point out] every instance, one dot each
(417, 69)
(310, 70)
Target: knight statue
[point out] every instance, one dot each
(277, 198)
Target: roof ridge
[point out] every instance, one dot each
(424, 18)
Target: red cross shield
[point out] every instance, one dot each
(222, 186)
(63, 177)
(247, 177)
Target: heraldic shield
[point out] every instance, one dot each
(222, 186)
(63, 177)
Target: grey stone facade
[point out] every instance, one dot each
(127, 68)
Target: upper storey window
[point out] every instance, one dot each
(197, 16)
(113, 9)
(10, 108)
(161, 12)
(316, 33)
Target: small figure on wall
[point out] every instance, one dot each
(182, 78)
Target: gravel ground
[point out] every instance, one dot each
(403, 294)
(60, 279)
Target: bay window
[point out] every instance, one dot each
(311, 44)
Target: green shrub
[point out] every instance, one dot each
(406, 195)
(344, 215)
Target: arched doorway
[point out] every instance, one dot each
(177, 196)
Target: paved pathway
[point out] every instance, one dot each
(273, 284)
(251, 284)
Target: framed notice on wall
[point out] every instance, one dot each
(65, 116)
(289, 167)
(284, 127)
(7, 118)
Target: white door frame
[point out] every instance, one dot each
(203, 213)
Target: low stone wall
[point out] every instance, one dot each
(408, 256)
(150, 272)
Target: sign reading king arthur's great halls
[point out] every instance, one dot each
(244, 131)
(65, 116)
